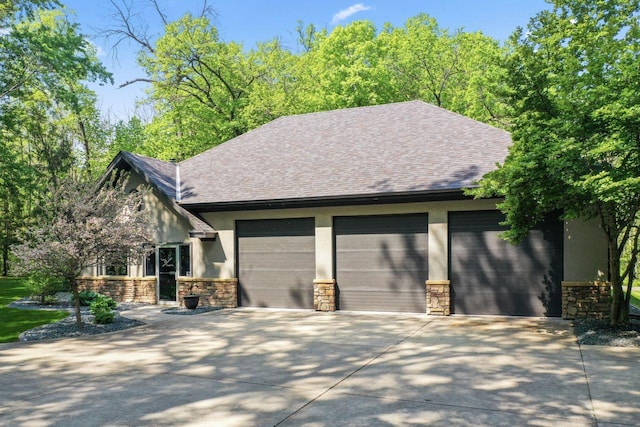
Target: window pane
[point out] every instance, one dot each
(185, 260)
(150, 263)
(118, 268)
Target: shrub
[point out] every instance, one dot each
(50, 300)
(109, 301)
(101, 309)
(87, 297)
(43, 285)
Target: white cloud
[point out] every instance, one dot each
(351, 10)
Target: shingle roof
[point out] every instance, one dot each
(160, 172)
(409, 147)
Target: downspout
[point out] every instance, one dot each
(178, 191)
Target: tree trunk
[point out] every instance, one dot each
(76, 297)
(619, 311)
(6, 240)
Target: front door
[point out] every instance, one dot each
(167, 268)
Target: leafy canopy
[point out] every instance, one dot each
(574, 85)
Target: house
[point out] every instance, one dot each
(355, 209)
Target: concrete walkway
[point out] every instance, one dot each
(261, 367)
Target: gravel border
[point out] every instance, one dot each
(186, 312)
(600, 332)
(67, 327)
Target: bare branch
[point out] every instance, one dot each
(139, 80)
(126, 29)
(162, 16)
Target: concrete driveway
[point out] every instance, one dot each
(262, 367)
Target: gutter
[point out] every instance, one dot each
(350, 200)
(178, 189)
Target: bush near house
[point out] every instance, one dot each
(14, 321)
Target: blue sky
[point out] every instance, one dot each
(252, 21)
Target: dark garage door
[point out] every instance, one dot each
(276, 262)
(381, 262)
(491, 276)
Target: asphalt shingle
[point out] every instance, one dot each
(401, 148)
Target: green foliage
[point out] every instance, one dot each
(14, 321)
(459, 71)
(87, 297)
(101, 309)
(49, 124)
(205, 91)
(50, 300)
(108, 301)
(40, 283)
(574, 85)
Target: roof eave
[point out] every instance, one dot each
(347, 200)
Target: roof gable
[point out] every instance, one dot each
(161, 176)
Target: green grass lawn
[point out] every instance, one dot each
(14, 321)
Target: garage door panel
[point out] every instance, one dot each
(373, 260)
(276, 262)
(381, 262)
(376, 301)
(491, 276)
(281, 261)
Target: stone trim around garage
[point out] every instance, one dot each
(213, 292)
(324, 295)
(438, 297)
(586, 300)
(122, 288)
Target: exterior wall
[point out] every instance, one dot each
(585, 251)
(170, 229)
(223, 264)
(585, 254)
(214, 262)
(122, 289)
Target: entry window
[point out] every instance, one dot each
(150, 263)
(185, 260)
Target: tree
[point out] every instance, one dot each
(344, 69)
(81, 226)
(46, 111)
(574, 85)
(458, 71)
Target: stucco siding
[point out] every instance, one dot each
(585, 251)
(224, 223)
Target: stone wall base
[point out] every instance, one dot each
(213, 292)
(122, 289)
(438, 297)
(324, 295)
(586, 300)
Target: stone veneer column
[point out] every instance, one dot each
(324, 295)
(213, 292)
(438, 297)
(586, 300)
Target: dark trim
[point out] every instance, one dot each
(313, 202)
(203, 235)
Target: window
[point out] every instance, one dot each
(113, 268)
(185, 260)
(150, 263)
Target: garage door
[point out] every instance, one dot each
(491, 276)
(276, 263)
(381, 262)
